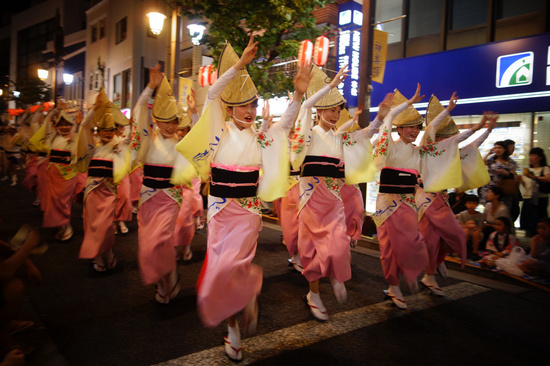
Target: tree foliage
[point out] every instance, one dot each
(33, 91)
(284, 23)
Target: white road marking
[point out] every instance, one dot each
(305, 334)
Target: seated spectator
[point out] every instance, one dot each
(457, 201)
(500, 243)
(12, 293)
(493, 208)
(538, 263)
(472, 223)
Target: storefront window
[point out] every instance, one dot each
(390, 9)
(513, 8)
(468, 13)
(425, 17)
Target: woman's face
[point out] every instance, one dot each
(106, 136)
(409, 133)
(243, 116)
(329, 117)
(168, 129)
(64, 128)
(498, 150)
(534, 160)
(491, 195)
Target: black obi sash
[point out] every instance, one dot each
(293, 172)
(232, 184)
(157, 176)
(60, 156)
(394, 180)
(101, 168)
(321, 166)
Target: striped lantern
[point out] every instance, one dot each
(306, 50)
(212, 75)
(320, 51)
(203, 75)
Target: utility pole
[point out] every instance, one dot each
(58, 41)
(365, 69)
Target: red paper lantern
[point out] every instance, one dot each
(306, 50)
(320, 51)
(203, 76)
(212, 75)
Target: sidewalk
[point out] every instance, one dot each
(470, 267)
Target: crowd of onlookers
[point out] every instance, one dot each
(491, 234)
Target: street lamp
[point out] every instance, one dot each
(156, 21)
(68, 79)
(42, 74)
(196, 32)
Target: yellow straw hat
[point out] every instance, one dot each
(165, 107)
(409, 117)
(344, 117)
(112, 116)
(63, 116)
(447, 127)
(241, 90)
(319, 79)
(184, 119)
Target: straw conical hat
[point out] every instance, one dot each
(185, 120)
(165, 107)
(65, 116)
(241, 90)
(447, 127)
(112, 116)
(409, 117)
(98, 115)
(344, 117)
(332, 99)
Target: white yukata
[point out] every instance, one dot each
(228, 280)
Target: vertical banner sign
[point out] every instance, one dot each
(185, 89)
(350, 19)
(379, 55)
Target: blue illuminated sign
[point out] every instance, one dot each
(505, 77)
(350, 19)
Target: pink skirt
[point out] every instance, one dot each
(156, 223)
(402, 247)
(80, 185)
(136, 180)
(59, 199)
(354, 209)
(185, 224)
(228, 279)
(439, 225)
(288, 217)
(98, 214)
(123, 208)
(31, 177)
(322, 240)
(198, 204)
(43, 185)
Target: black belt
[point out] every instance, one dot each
(60, 157)
(397, 181)
(294, 172)
(100, 168)
(321, 166)
(157, 176)
(231, 184)
(40, 153)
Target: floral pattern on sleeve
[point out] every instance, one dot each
(297, 141)
(264, 141)
(136, 139)
(347, 140)
(430, 149)
(382, 144)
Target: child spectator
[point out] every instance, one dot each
(500, 243)
(538, 262)
(472, 222)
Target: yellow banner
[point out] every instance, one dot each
(379, 55)
(185, 90)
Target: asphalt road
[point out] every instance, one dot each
(85, 318)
